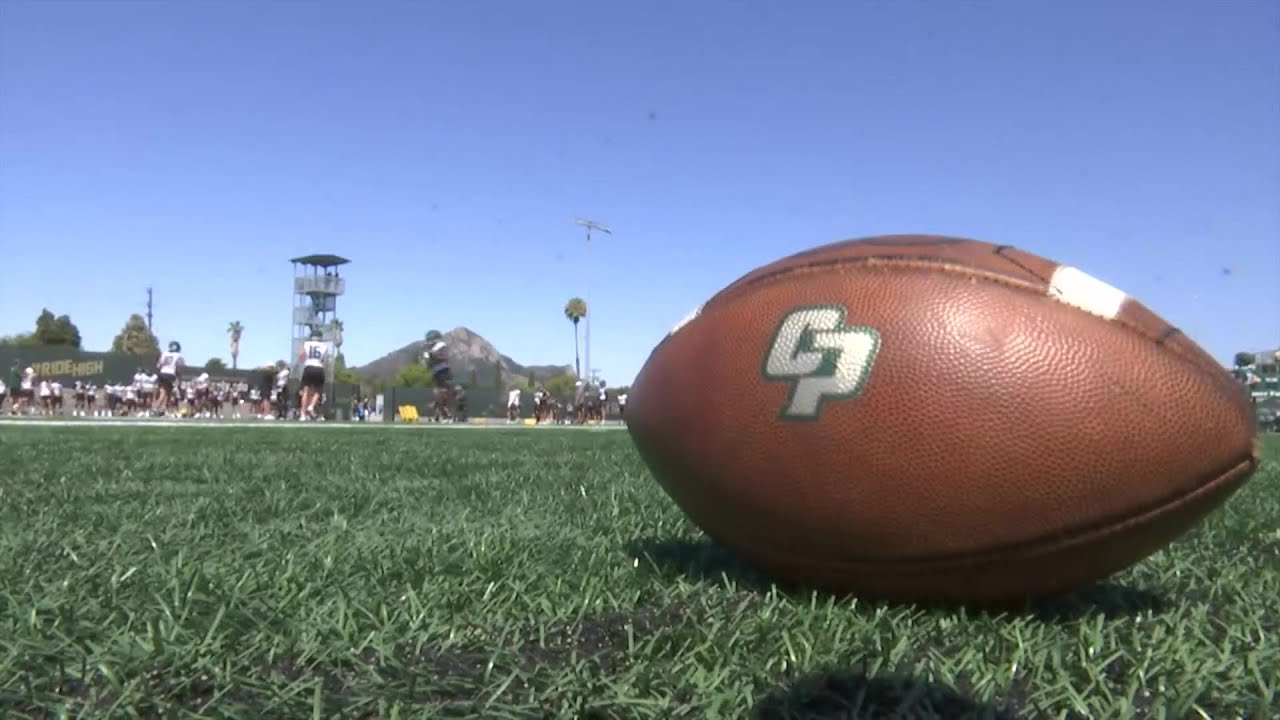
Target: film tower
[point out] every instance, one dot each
(316, 287)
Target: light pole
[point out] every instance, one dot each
(590, 225)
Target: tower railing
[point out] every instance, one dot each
(326, 284)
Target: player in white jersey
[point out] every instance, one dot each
(314, 359)
(280, 393)
(204, 400)
(46, 398)
(513, 404)
(602, 399)
(27, 390)
(114, 398)
(169, 367)
(139, 384)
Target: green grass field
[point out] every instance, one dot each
(292, 573)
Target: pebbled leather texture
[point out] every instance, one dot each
(1003, 443)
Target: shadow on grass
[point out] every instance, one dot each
(854, 695)
(705, 561)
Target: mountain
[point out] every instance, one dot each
(468, 353)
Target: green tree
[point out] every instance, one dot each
(335, 334)
(69, 331)
(46, 331)
(561, 386)
(57, 331)
(498, 387)
(575, 310)
(533, 384)
(414, 375)
(19, 340)
(1244, 359)
(214, 365)
(236, 330)
(475, 378)
(137, 339)
(343, 374)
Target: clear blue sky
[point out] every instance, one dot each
(446, 148)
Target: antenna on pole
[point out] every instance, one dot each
(589, 225)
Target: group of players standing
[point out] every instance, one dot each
(148, 393)
(589, 405)
(161, 392)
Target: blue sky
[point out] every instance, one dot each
(446, 149)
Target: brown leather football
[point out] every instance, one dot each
(928, 418)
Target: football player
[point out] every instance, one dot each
(169, 367)
(27, 390)
(280, 400)
(541, 405)
(46, 397)
(513, 405)
(144, 397)
(436, 357)
(314, 358)
(579, 402)
(204, 401)
(602, 404)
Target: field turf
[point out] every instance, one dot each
(317, 573)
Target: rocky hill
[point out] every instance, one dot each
(472, 358)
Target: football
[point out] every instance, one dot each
(926, 418)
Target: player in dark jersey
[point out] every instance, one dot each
(436, 355)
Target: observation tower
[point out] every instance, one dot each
(316, 287)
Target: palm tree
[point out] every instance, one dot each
(335, 334)
(575, 310)
(236, 330)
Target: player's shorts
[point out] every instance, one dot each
(444, 379)
(313, 377)
(166, 381)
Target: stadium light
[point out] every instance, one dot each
(590, 225)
